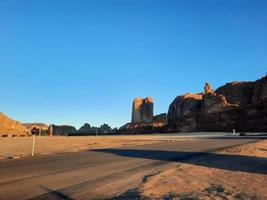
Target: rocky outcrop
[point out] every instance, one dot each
(87, 129)
(208, 89)
(10, 127)
(236, 105)
(62, 129)
(142, 110)
(38, 128)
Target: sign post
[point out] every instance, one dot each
(33, 144)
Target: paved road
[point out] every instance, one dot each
(98, 174)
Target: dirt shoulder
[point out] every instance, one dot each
(236, 173)
(22, 146)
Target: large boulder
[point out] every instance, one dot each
(10, 127)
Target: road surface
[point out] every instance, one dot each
(98, 174)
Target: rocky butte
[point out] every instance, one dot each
(238, 105)
(143, 120)
(142, 110)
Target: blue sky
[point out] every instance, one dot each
(71, 62)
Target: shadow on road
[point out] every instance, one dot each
(52, 194)
(239, 163)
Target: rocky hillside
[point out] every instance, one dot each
(10, 127)
(238, 105)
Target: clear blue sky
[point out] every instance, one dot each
(71, 62)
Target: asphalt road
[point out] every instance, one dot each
(98, 174)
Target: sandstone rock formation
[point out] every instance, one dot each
(10, 127)
(208, 89)
(142, 110)
(143, 120)
(183, 110)
(237, 105)
(239, 93)
(87, 129)
(62, 129)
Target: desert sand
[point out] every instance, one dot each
(16, 147)
(218, 181)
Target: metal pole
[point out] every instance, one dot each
(33, 145)
(96, 132)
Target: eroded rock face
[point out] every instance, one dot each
(10, 127)
(260, 90)
(236, 105)
(244, 93)
(182, 112)
(142, 110)
(239, 93)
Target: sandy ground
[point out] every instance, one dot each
(22, 146)
(236, 174)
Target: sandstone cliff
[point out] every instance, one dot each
(10, 127)
(182, 114)
(236, 105)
